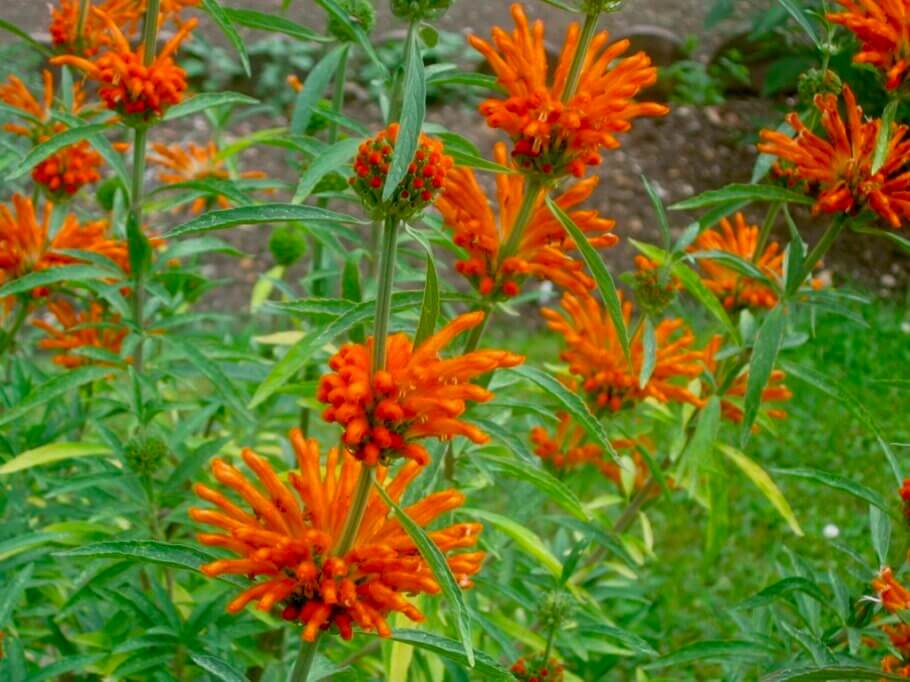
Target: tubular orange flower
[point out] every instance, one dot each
(895, 598)
(126, 84)
(25, 246)
(291, 542)
(418, 394)
(422, 183)
(65, 21)
(537, 670)
(595, 355)
(80, 329)
(731, 401)
(194, 162)
(838, 170)
(66, 171)
(544, 242)
(905, 497)
(553, 133)
(733, 289)
(883, 29)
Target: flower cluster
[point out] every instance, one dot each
(554, 131)
(541, 250)
(537, 670)
(422, 183)
(288, 544)
(895, 598)
(732, 288)
(905, 498)
(418, 394)
(594, 354)
(883, 29)
(126, 84)
(838, 168)
(78, 330)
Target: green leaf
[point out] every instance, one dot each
(315, 85)
(884, 135)
(781, 588)
(429, 308)
(692, 282)
(273, 24)
(441, 571)
(216, 11)
(597, 267)
(880, 527)
(62, 384)
(221, 669)
(10, 27)
(150, 551)
(510, 440)
(63, 273)
(709, 219)
(12, 591)
(333, 158)
(206, 100)
(761, 364)
(830, 672)
(527, 539)
(837, 482)
(483, 666)
(413, 112)
(764, 483)
(469, 160)
(715, 650)
(40, 152)
(649, 345)
(659, 211)
(890, 235)
(799, 15)
(564, 6)
(740, 192)
(53, 452)
(628, 639)
(734, 262)
(355, 29)
(264, 213)
(571, 402)
(211, 187)
(541, 479)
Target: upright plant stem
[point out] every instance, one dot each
(532, 188)
(139, 142)
(824, 244)
(550, 635)
(9, 338)
(765, 232)
(355, 513)
(384, 291)
(81, 18)
(584, 42)
(305, 660)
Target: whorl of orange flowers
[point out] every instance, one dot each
(905, 497)
(193, 162)
(422, 183)
(65, 22)
(595, 355)
(26, 247)
(66, 171)
(126, 84)
(418, 395)
(287, 544)
(883, 29)
(555, 132)
(895, 598)
(775, 390)
(837, 168)
(732, 288)
(537, 670)
(80, 329)
(542, 249)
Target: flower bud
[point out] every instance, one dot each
(818, 82)
(420, 10)
(145, 453)
(360, 12)
(287, 244)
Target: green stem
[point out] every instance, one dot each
(305, 660)
(7, 341)
(532, 189)
(584, 42)
(150, 31)
(765, 232)
(81, 18)
(384, 291)
(550, 636)
(477, 333)
(355, 513)
(824, 244)
(629, 513)
(139, 144)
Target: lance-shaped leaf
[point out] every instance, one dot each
(741, 192)
(206, 100)
(216, 11)
(413, 112)
(264, 213)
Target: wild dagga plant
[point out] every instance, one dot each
(426, 454)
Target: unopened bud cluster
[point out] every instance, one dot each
(420, 10)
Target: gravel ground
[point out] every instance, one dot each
(688, 151)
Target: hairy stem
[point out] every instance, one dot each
(387, 255)
(355, 513)
(584, 42)
(150, 31)
(139, 144)
(532, 190)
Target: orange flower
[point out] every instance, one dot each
(422, 183)
(905, 497)
(65, 19)
(25, 246)
(895, 666)
(544, 242)
(418, 394)
(537, 670)
(774, 392)
(883, 29)
(66, 171)
(80, 329)
(894, 596)
(555, 134)
(595, 355)
(733, 289)
(126, 84)
(839, 169)
(565, 449)
(194, 162)
(293, 542)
